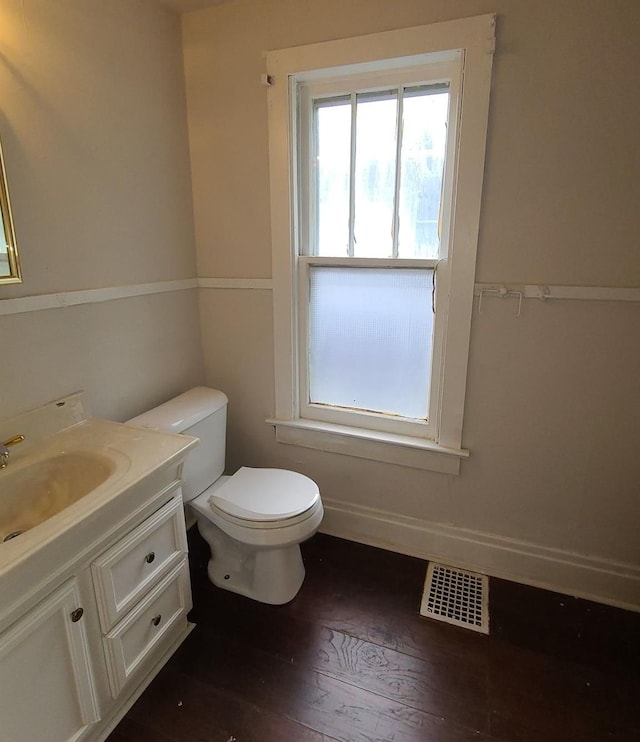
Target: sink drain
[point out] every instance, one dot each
(13, 534)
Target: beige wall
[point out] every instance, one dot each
(93, 127)
(550, 493)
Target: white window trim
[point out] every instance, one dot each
(404, 47)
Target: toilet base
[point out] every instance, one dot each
(268, 575)
(274, 576)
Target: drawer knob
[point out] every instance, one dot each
(150, 557)
(77, 615)
(156, 619)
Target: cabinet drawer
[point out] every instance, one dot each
(124, 573)
(160, 616)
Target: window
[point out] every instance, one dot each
(376, 154)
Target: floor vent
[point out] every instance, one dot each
(457, 597)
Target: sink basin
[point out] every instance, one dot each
(35, 492)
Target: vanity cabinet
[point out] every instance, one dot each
(71, 664)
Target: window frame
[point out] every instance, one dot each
(438, 443)
(303, 93)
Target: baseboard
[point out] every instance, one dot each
(601, 580)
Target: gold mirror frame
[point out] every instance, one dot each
(9, 260)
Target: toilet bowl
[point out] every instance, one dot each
(253, 521)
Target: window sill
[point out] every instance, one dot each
(402, 450)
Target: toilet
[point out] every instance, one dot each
(253, 521)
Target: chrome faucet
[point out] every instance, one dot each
(4, 448)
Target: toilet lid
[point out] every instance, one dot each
(266, 494)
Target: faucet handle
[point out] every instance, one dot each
(12, 441)
(4, 448)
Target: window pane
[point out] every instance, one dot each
(375, 176)
(333, 145)
(370, 339)
(424, 139)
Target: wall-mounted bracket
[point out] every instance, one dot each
(501, 292)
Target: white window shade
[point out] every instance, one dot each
(370, 339)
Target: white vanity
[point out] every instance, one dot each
(94, 594)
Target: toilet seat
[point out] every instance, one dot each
(264, 496)
(267, 534)
(221, 517)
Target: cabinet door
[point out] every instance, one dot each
(47, 690)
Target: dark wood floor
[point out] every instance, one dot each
(351, 659)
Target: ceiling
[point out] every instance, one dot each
(184, 6)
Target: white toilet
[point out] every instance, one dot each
(253, 521)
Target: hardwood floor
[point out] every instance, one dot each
(350, 659)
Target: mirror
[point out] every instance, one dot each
(9, 261)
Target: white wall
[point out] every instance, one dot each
(94, 132)
(550, 492)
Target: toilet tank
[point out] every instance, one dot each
(200, 412)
